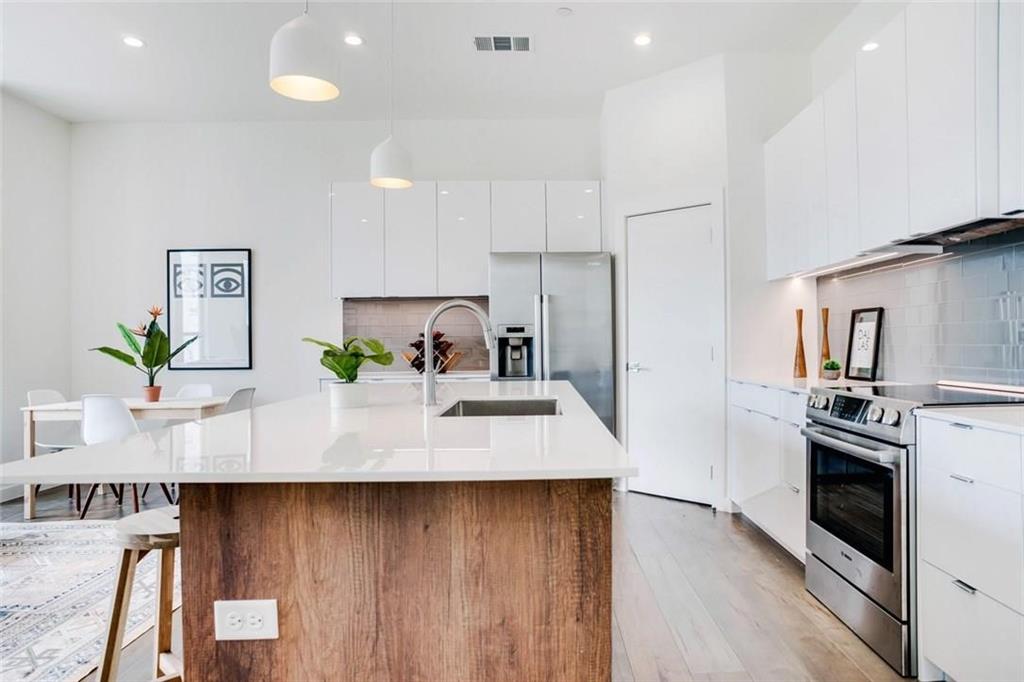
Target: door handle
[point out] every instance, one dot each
(545, 312)
(964, 586)
(635, 367)
(962, 479)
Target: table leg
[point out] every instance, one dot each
(29, 434)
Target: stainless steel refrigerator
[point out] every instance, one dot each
(553, 316)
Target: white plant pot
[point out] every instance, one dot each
(345, 395)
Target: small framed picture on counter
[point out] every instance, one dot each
(862, 350)
(209, 295)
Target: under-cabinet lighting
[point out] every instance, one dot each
(844, 266)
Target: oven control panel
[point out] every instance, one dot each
(870, 415)
(849, 409)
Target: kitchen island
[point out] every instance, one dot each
(399, 544)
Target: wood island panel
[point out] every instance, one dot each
(502, 580)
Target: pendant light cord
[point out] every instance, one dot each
(391, 70)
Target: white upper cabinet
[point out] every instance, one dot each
(357, 240)
(410, 240)
(941, 113)
(881, 76)
(518, 216)
(796, 217)
(842, 194)
(463, 237)
(574, 215)
(1011, 107)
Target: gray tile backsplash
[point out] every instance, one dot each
(399, 321)
(959, 316)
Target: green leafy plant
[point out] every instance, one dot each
(150, 356)
(831, 365)
(345, 360)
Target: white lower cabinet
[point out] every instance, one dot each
(966, 633)
(970, 551)
(767, 461)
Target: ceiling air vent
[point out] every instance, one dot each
(502, 43)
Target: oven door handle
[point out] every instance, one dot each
(880, 456)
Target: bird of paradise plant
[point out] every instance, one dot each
(150, 356)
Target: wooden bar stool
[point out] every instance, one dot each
(140, 534)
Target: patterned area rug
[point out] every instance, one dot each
(56, 581)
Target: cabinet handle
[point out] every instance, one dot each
(962, 479)
(958, 425)
(964, 586)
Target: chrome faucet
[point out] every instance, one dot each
(429, 372)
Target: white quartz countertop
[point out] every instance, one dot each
(803, 385)
(394, 438)
(1007, 418)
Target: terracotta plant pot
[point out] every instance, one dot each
(151, 394)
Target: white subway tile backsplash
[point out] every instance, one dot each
(958, 318)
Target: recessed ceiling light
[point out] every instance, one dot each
(353, 39)
(642, 39)
(869, 47)
(133, 41)
(564, 11)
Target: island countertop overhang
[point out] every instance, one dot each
(394, 439)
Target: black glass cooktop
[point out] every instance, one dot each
(932, 395)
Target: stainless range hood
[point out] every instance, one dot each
(962, 234)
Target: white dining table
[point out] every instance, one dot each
(170, 408)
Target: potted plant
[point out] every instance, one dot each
(830, 370)
(345, 360)
(149, 357)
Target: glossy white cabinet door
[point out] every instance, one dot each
(794, 456)
(463, 237)
(410, 240)
(1011, 106)
(882, 137)
(357, 240)
(941, 117)
(840, 103)
(518, 216)
(781, 173)
(574, 215)
(813, 234)
(756, 455)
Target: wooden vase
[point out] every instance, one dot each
(826, 352)
(800, 361)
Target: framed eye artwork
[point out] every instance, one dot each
(209, 295)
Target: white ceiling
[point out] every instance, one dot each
(208, 60)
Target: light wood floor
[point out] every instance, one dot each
(697, 596)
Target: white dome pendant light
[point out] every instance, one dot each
(390, 167)
(303, 62)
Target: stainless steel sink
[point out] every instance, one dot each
(498, 407)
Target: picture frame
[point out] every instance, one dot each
(863, 344)
(209, 295)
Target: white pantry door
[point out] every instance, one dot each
(676, 344)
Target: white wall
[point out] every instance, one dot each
(662, 138)
(835, 54)
(36, 261)
(762, 93)
(139, 189)
(693, 132)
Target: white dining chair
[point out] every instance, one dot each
(195, 391)
(106, 418)
(241, 399)
(56, 436)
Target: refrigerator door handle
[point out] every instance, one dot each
(538, 319)
(545, 340)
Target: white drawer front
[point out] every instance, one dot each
(973, 531)
(755, 397)
(969, 636)
(985, 456)
(793, 407)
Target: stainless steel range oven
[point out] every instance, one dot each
(860, 520)
(861, 511)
